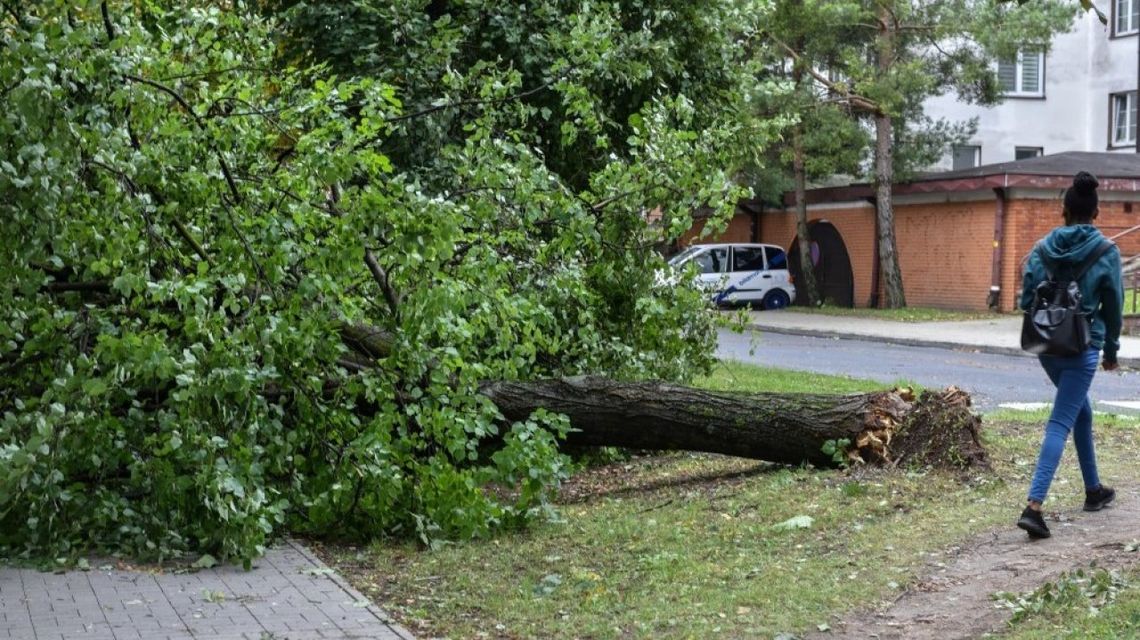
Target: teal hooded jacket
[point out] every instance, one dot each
(1102, 286)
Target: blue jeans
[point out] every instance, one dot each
(1072, 412)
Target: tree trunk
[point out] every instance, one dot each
(884, 210)
(884, 170)
(784, 428)
(799, 174)
(799, 177)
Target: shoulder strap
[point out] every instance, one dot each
(1105, 245)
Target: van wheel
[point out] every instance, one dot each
(777, 299)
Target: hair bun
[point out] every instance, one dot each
(1085, 183)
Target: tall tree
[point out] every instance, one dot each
(918, 49)
(825, 137)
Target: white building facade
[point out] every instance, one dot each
(1081, 96)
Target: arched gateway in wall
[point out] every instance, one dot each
(832, 266)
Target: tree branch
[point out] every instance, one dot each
(181, 228)
(381, 278)
(471, 103)
(108, 26)
(377, 271)
(198, 121)
(16, 15)
(855, 99)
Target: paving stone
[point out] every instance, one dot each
(289, 595)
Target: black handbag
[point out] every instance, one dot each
(1054, 324)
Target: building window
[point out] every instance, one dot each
(967, 156)
(1023, 75)
(1123, 119)
(1126, 17)
(1024, 153)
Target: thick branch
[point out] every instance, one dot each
(366, 340)
(381, 278)
(108, 26)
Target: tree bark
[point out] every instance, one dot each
(799, 176)
(884, 169)
(784, 428)
(884, 210)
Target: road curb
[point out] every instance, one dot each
(1131, 363)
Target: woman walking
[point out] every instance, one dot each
(1102, 290)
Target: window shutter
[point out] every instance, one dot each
(1007, 75)
(1031, 73)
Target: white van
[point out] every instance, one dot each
(741, 273)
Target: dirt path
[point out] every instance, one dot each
(955, 600)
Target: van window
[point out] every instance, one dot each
(683, 256)
(712, 261)
(777, 259)
(747, 258)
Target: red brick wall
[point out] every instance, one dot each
(739, 230)
(946, 253)
(855, 224)
(945, 249)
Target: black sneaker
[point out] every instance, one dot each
(1033, 523)
(1098, 498)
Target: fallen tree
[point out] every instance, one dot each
(886, 427)
(233, 303)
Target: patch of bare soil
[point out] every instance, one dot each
(954, 600)
(942, 432)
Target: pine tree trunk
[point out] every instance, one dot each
(884, 171)
(799, 174)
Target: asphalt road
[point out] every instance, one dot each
(990, 378)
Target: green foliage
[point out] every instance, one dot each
(837, 449)
(587, 70)
(1093, 589)
(239, 295)
(947, 46)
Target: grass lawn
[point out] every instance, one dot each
(908, 314)
(699, 546)
(738, 376)
(1130, 300)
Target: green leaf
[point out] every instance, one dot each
(797, 522)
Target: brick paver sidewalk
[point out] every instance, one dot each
(289, 595)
